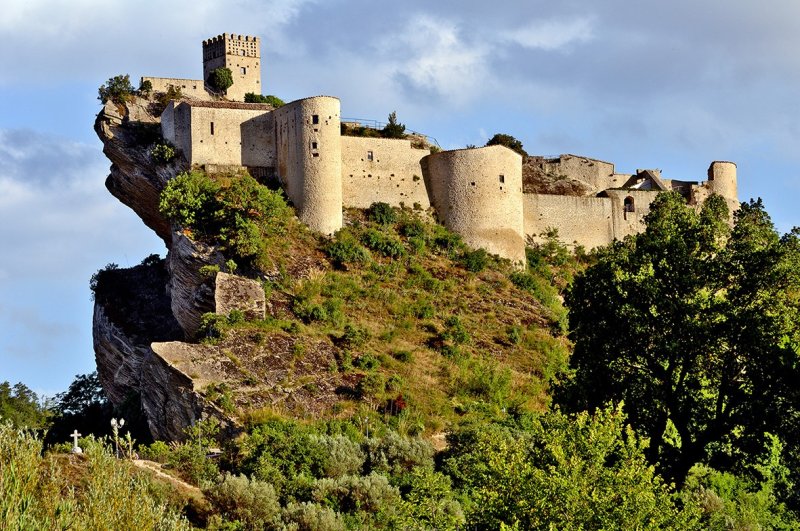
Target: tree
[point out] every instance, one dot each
(117, 89)
(393, 129)
(570, 471)
(275, 101)
(697, 329)
(221, 78)
(501, 139)
(20, 406)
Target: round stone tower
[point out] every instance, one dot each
(310, 160)
(477, 193)
(722, 179)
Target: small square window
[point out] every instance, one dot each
(502, 178)
(315, 119)
(370, 155)
(313, 145)
(244, 70)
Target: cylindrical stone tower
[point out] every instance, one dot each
(722, 179)
(310, 160)
(477, 193)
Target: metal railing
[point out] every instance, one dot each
(378, 125)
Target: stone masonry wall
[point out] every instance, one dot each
(192, 88)
(382, 169)
(586, 221)
(477, 193)
(222, 133)
(310, 160)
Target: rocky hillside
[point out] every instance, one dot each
(393, 314)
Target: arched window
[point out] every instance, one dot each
(629, 204)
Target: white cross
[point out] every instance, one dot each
(75, 448)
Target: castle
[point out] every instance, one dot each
(478, 193)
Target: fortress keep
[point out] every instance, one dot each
(490, 196)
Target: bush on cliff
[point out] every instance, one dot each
(232, 210)
(117, 89)
(221, 78)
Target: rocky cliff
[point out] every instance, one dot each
(143, 314)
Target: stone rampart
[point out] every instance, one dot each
(477, 193)
(309, 155)
(191, 88)
(382, 169)
(586, 221)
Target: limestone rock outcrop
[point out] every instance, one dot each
(127, 133)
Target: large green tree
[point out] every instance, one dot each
(696, 327)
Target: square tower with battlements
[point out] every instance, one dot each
(239, 53)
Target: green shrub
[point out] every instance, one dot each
(163, 152)
(412, 227)
(251, 502)
(345, 250)
(394, 454)
(367, 362)
(275, 101)
(212, 326)
(158, 451)
(371, 385)
(454, 331)
(220, 79)
(117, 89)
(236, 212)
(351, 494)
(355, 336)
(343, 456)
(189, 460)
(403, 355)
(383, 243)
(307, 516)
(208, 271)
(475, 261)
(508, 141)
(382, 213)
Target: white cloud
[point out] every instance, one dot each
(552, 34)
(439, 61)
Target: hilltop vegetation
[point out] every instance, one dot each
(445, 361)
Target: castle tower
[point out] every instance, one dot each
(722, 179)
(239, 53)
(477, 194)
(308, 138)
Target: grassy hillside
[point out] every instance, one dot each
(393, 314)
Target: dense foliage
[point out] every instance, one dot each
(275, 101)
(697, 328)
(502, 139)
(221, 79)
(117, 89)
(234, 211)
(20, 406)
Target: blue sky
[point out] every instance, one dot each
(647, 84)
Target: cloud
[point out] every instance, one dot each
(552, 34)
(438, 60)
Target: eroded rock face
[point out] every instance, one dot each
(191, 292)
(135, 179)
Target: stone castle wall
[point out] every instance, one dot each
(192, 88)
(596, 173)
(222, 133)
(310, 160)
(586, 221)
(477, 193)
(382, 169)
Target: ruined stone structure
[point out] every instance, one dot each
(483, 194)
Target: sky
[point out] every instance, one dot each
(647, 84)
